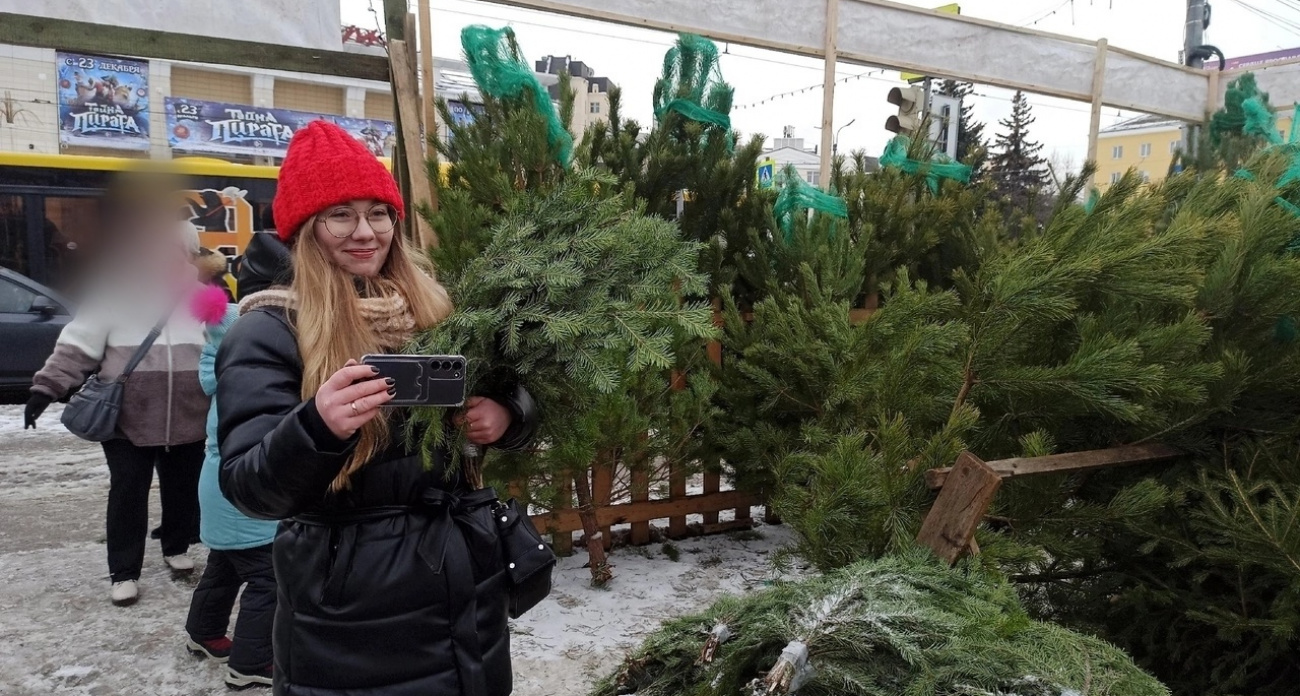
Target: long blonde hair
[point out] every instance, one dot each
(331, 329)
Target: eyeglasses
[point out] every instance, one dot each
(343, 221)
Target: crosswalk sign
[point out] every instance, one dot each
(766, 173)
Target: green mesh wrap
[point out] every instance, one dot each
(500, 72)
(1231, 119)
(940, 165)
(692, 83)
(796, 195)
(1093, 197)
(1258, 121)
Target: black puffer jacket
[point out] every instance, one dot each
(393, 587)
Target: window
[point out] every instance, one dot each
(1115, 177)
(1145, 176)
(1145, 150)
(15, 299)
(1117, 152)
(595, 107)
(814, 178)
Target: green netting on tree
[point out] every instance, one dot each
(1094, 196)
(940, 165)
(692, 83)
(796, 196)
(1258, 121)
(500, 72)
(1232, 118)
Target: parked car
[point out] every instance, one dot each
(31, 317)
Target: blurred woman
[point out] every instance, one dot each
(148, 275)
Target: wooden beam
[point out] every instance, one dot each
(408, 119)
(1098, 82)
(395, 12)
(949, 529)
(642, 512)
(830, 55)
(86, 37)
(428, 89)
(1069, 462)
(884, 34)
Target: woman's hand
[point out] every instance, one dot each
(351, 397)
(485, 420)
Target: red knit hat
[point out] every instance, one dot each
(325, 166)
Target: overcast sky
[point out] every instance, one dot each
(633, 59)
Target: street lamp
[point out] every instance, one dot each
(835, 144)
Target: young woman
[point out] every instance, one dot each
(239, 547)
(386, 585)
(146, 267)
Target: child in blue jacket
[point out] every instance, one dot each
(239, 546)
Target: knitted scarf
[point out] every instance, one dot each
(389, 315)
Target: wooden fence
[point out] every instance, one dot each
(634, 504)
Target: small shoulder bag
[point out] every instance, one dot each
(92, 412)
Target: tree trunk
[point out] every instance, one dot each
(601, 572)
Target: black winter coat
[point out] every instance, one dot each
(393, 587)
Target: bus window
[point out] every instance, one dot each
(13, 234)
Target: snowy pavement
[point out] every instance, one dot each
(60, 634)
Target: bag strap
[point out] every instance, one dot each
(144, 347)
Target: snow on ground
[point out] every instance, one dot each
(62, 636)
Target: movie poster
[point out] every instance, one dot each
(195, 125)
(103, 101)
(463, 114)
(380, 137)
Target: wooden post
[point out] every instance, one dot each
(405, 92)
(640, 493)
(562, 542)
(676, 491)
(602, 490)
(715, 347)
(1098, 83)
(949, 529)
(712, 484)
(828, 89)
(429, 91)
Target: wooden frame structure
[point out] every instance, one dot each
(967, 488)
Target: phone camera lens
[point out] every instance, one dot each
(457, 365)
(446, 365)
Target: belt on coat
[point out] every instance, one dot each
(436, 547)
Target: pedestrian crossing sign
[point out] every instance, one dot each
(766, 173)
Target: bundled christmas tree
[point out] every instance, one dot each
(562, 284)
(902, 625)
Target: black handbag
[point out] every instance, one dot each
(92, 412)
(529, 561)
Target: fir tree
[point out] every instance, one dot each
(901, 625)
(1015, 166)
(563, 284)
(972, 150)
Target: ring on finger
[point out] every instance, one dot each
(353, 406)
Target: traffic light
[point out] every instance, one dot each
(909, 101)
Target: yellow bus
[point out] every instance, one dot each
(48, 205)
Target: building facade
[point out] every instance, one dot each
(1147, 144)
(69, 122)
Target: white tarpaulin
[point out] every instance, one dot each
(885, 34)
(300, 23)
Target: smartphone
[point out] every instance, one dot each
(422, 380)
